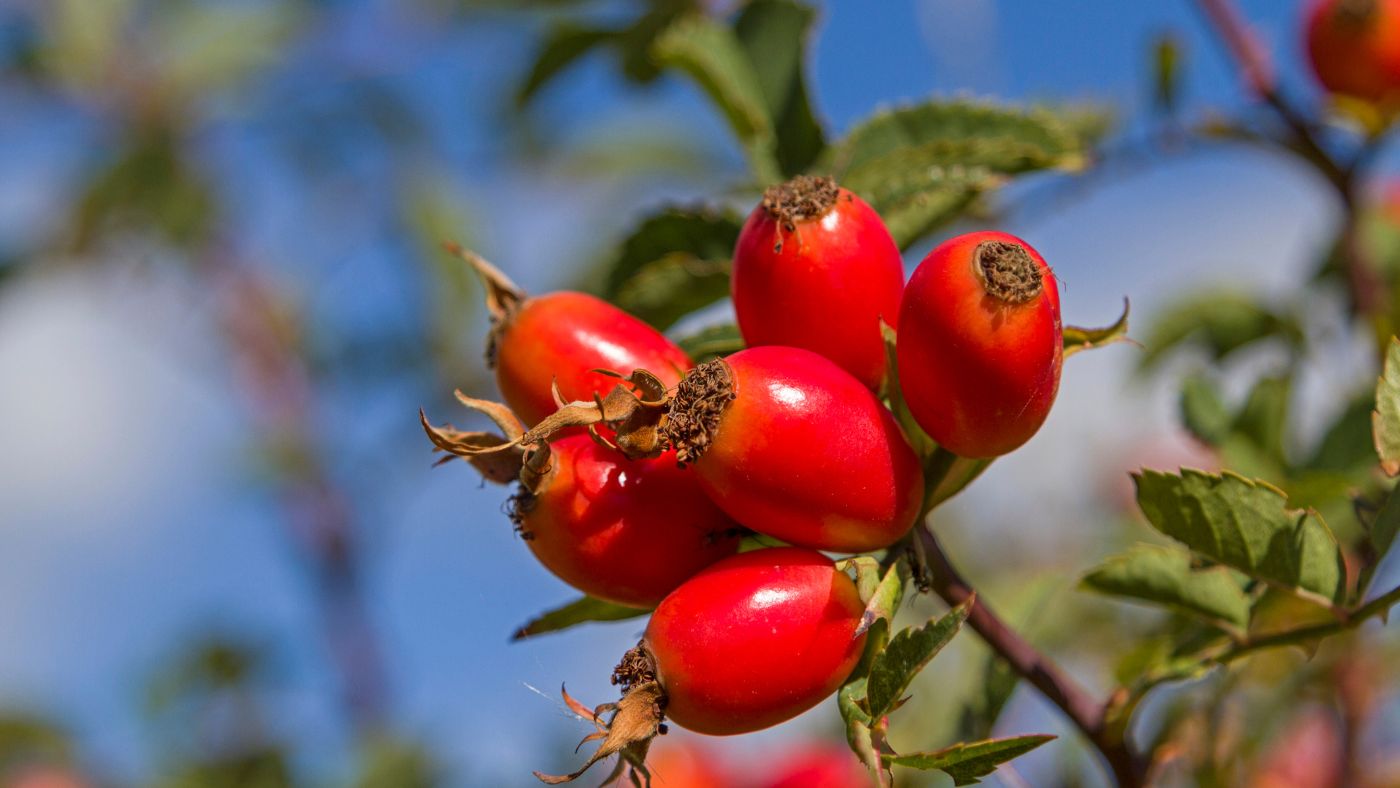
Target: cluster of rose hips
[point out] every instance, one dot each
(637, 489)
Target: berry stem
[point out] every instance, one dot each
(1087, 714)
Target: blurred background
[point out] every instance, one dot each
(225, 556)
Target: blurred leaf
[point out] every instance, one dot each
(434, 214)
(1077, 338)
(208, 47)
(1347, 445)
(1264, 417)
(149, 186)
(564, 45)
(919, 166)
(84, 36)
(1382, 534)
(1203, 410)
(580, 611)
(907, 653)
(1385, 423)
(775, 35)
(996, 684)
(966, 763)
(387, 762)
(1245, 525)
(1166, 73)
(258, 768)
(1218, 322)
(1164, 576)
(711, 54)
(28, 738)
(674, 263)
(712, 342)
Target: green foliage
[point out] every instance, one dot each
(1165, 576)
(908, 652)
(1077, 339)
(580, 611)
(565, 45)
(775, 35)
(711, 54)
(673, 263)
(919, 166)
(1386, 421)
(1382, 535)
(1245, 525)
(712, 342)
(968, 762)
(1218, 322)
(1203, 410)
(996, 683)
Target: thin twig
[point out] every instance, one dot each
(1047, 677)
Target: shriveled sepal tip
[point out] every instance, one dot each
(636, 720)
(501, 459)
(503, 297)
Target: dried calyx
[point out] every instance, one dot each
(801, 199)
(1007, 271)
(499, 458)
(636, 719)
(503, 297)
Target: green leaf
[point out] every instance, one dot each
(673, 263)
(858, 737)
(1203, 410)
(775, 35)
(1382, 533)
(1385, 423)
(907, 653)
(1077, 338)
(712, 342)
(966, 763)
(1164, 576)
(919, 166)
(1264, 417)
(884, 600)
(893, 394)
(580, 611)
(1220, 323)
(562, 47)
(1166, 68)
(1245, 525)
(712, 55)
(1347, 446)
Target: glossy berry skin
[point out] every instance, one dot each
(565, 335)
(807, 454)
(822, 286)
(979, 373)
(755, 640)
(1354, 47)
(626, 531)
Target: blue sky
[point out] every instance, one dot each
(153, 531)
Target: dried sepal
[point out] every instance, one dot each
(503, 297)
(489, 453)
(499, 414)
(636, 720)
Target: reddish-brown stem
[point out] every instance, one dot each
(1363, 282)
(1087, 714)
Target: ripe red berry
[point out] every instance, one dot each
(627, 531)
(562, 337)
(792, 446)
(815, 268)
(1354, 46)
(817, 766)
(754, 640)
(980, 345)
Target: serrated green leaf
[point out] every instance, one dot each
(580, 611)
(908, 652)
(1385, 423)
(968, 762)
(673, 263)
(1203, 410)
(712, 342)
(884, 599)
(1164, 576)
(775, 35)
(919, 166)
(1245, 525)
(711, 54)
(561, 48)
(1220, 323)
(1077, 338)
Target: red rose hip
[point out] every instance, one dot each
(563, 337)
(754, 640)
(815, 268)
(980, 346)
(791, 445)
(1354, 47)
